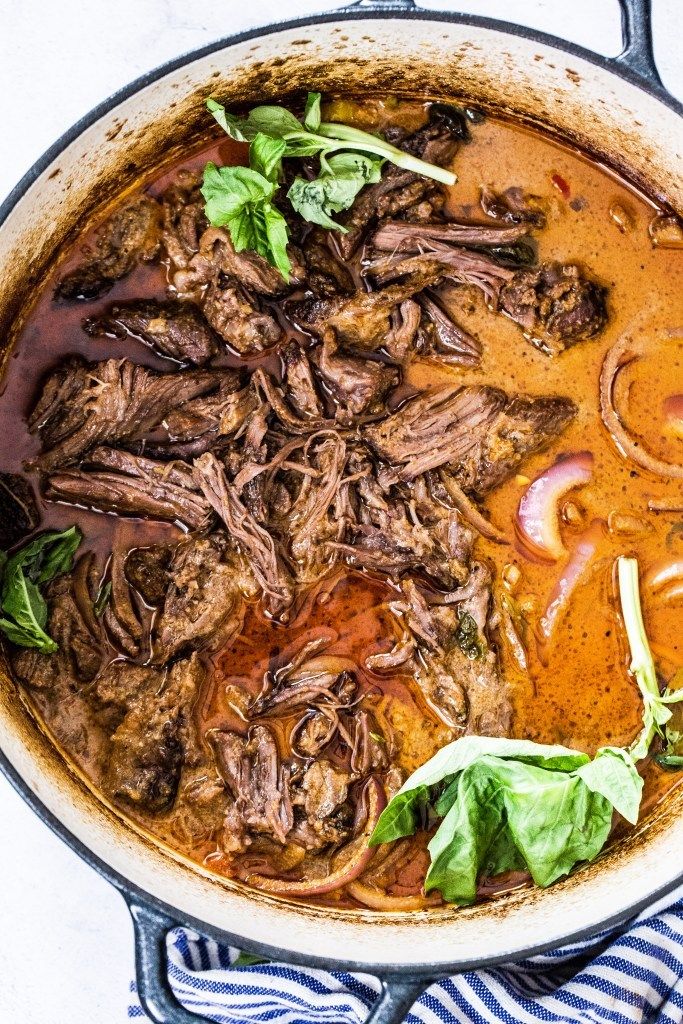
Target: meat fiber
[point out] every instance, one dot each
(173, 329)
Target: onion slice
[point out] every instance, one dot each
(572, 573)
(673, 415)
(619, 356)
(538, 521)
(379, 900)
(356, 855)
(666, 576)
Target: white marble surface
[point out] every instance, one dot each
(65, 935)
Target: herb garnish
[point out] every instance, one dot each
(22, 574)
(241, 198)
(510, 804)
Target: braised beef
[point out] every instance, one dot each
(131, 234)
(457, 670)
(83, 404)
(147, 571)
(265, 561)
(480, 433)
(203, 604)
(174, 329)
(258, 785)
(150, 745)
(133, 485)
(399, 236)
(326, 275)
(237, 319)
(356, 385)
(513, 206)
(555, 305)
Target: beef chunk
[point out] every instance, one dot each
(203, 605)
(174, 329)
(184, 220)
(444, 338)
(146, 570)
(524, 426)
(322, 796)
(259, 548)
(447, 262)
(258, 785)
(130, 235)
(217, 255)
(301, 390)
(18, 511)
(478, 432)
(83, 404)
(356, 385)
(149, 746)
(457, 670)
(133, 485)
(234, 316)
(63, 679)
(399, 236)
(513, 206)
(397, 532)
(326, 276)
(121, 616)
(206, 422)
(361, 320)
(555, 305)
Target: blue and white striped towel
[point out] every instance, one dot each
(627, 977)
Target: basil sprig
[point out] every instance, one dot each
(241, 199)
(24, 610)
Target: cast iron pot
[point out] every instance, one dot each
(616, 109)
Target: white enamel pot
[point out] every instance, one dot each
(616, 109)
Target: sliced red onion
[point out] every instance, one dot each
(358, 852)
(377, 899)
(673, 414)
(562, 592)
(666, 576)
(538, 521)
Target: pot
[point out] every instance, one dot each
(618, 110)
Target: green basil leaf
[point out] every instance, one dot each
(26, 612)
(612, 773)
(229, 191)
(236, 127)
(274, 121)
(312, 112)
(48, 555)
(265, 156)
(401, 816)
(334, 189)
(467, 833)
(277, 234)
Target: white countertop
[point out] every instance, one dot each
(66, 952)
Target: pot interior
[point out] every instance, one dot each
(510, 76)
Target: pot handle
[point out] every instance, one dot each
(397, 994)
(636, 30)
(638, 52)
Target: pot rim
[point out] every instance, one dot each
(134, 894)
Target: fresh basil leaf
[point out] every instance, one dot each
(265, 156)
(236, 127)
(612, 773)
(48, 555)
(312, 112)
(25, 612)
(335, 188)
(228, 191)
(401, 816)
(461, 843)
(277, 234)
(671, 762)
(274, 121)
(239, 198)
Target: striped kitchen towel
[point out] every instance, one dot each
(634, 976)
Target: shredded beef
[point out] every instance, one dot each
(18, 510)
